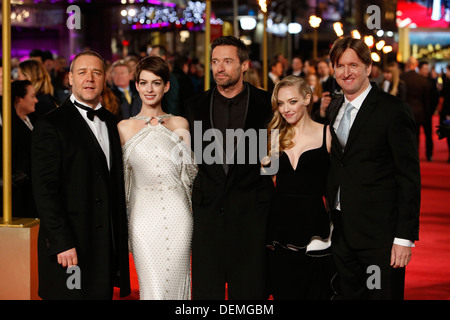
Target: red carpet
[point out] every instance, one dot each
(415, 15)
(428, 273)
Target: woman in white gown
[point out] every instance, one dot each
(159, 171)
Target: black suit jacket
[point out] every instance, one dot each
(417, 94)
(22, 194)
(330, 85)
(270, 84)
(128, 109)
(81, 204)
(378, 173)
(230, 210)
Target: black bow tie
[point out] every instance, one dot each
(91, 113)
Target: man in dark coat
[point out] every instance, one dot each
(417, 97)
(373, 182)
(231, 199)
(124, 89)
(79, 192)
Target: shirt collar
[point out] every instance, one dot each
(123, 89)
(72, 98)
(236, 99)
(358, 101)
(274, 78)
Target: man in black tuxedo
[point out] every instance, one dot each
(374, 180)
(79, 192)
(230, 200)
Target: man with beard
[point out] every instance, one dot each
(230, 198)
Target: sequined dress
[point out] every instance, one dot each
(159, 171)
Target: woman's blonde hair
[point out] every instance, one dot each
(35, 71)
(282, 140)
(251, 76)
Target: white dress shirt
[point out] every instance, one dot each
(274, 78)
(98, 127)
(357, 102)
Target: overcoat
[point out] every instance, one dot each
(81, 204)
(230, 209)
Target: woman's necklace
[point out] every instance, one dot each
(149, 119)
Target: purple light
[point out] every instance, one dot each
(158, 25)
(159, 3)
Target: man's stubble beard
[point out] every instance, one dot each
(226, 83)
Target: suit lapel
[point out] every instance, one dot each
(251, 121)
(337, 104)
(364, 112)
(248, 117)
(335, 109)
(207, 117)
(86, 134)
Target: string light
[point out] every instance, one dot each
(387, 49)
(356, 34)
(314, 21)
(263, 5)
(369, 41)
(375, 57)
(166, 15)
(380, 44)
(338, 28)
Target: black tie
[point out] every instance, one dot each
(91, 113)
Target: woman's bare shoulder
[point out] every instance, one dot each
(178, 122)
(128, 128)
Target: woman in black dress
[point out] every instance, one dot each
(23, 102)
(299, 228)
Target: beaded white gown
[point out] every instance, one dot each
(159, 171)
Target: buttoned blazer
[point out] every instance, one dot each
(378, 173)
